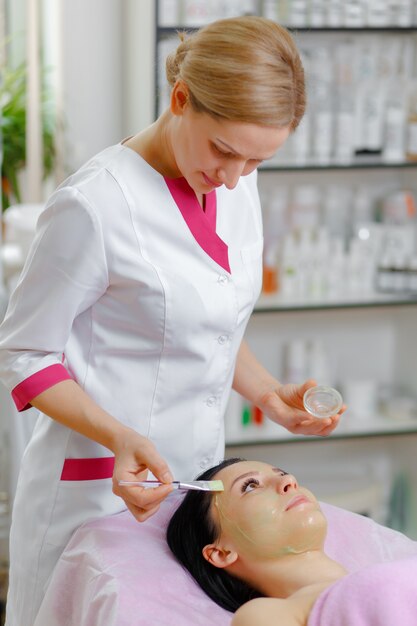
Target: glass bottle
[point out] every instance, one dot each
(411, 150)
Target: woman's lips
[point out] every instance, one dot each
(296, 501)
(210, 182)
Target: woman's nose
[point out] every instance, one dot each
(229, 174)
(286, 483)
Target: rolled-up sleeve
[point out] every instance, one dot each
(65, 273)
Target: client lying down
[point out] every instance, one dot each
(257, 548)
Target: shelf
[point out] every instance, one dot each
(350, 428)
(172, 30)
(358, 162)
(352, 29)
(276, 303)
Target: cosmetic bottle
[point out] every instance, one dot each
(354, 13)
(298, 15)
(400, 247)
(368, 104)
(344, 114)
(355, 269)
(275, 226)
(336, 270)
(283, 7)
(323, 133)
(247, 7)
(364, 251)
(395, 122)
(288, 268)
(378, 13)
(402, 13)
(374, 111)
(317, 13)
(295, 361)
(336, 211)
(362, 209)
(305, 207)
(270, 283)
(334, 13)
(270, 9)
(321, 95)
(305, 264)
(320, 262)
(411, 130)
(318, 363)
(399, 208)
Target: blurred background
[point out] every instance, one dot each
(339, 299)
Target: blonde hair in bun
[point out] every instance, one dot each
(176, 58)
(243, 69)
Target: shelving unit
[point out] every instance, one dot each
(366, 333)
(276, 303)
(358, 163)
(348, 430)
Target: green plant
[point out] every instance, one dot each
(13, 130)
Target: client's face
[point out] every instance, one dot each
(263, 513)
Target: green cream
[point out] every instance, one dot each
(266, 532)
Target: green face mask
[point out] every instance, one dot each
(261, 528)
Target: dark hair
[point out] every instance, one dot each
(189, 530)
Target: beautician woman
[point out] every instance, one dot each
(126, 327)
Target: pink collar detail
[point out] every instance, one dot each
(202, 224)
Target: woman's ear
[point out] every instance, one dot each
(218, 556)
(179, 97)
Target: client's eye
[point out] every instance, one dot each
(249, 485)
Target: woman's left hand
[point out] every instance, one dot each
(284, 405)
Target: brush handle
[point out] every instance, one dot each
(149, 483)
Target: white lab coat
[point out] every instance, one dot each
(144, 304)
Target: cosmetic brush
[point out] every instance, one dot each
(196, 485)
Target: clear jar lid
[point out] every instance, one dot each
(322, 401)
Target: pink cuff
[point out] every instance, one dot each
(88, 469)
(31, 387)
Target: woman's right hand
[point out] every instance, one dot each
(135, 455)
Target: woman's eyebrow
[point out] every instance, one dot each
(278, 469)
(243, 476)
(226, 145)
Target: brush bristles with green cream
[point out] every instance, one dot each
(216, 485)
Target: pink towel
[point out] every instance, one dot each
(384, 594)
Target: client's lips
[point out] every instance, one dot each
(296, 501)
(210, 182)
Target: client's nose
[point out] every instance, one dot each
(287, 483)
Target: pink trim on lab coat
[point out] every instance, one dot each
(88, 469)
(32, 386)
(202, 224)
